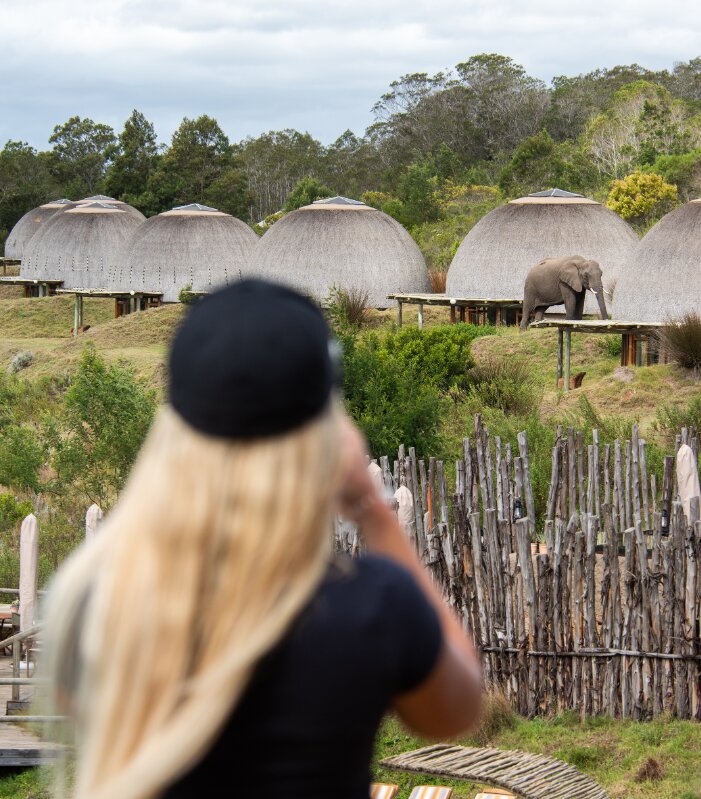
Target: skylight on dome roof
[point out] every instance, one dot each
(554, 193)
(337, 201)
(194, 207)
(99, 198)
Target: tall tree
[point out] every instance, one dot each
(199, 166)
(82, 150)
(274, 163)
(25, 182)
(135, 160)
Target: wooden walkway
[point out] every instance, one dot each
(526, 775)
(19, 746)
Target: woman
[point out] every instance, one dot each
(208, 642)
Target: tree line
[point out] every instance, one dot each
(442, 150)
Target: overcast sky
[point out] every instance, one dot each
(259, 65)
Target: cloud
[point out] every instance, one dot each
(313, 65)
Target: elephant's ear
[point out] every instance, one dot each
(570, 274)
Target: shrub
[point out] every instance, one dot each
(347, 306)
(21, 361)
(681, 340)
(185, 295)
(505, 383)
(611, 346)
(440, 355)
(22, 455)
(670, 419)
(641, 197)
(392, 405)
(106, 416)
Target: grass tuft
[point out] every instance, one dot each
(438, 280)
(651, 769)
(681, 340)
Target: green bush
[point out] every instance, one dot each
(390, 403)
(439, 355)
(506, 384)
(106, 415)
(671, 418)
(22, 455)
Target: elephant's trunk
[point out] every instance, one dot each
(602, 303)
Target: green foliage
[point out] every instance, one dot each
(25, 182)
(539, 163)
(305, 192)
(671, 418)
(416, 189)
(185, 295)
(682, 171)
(641, 197)
(200, 166)
(82, 150)
(22, 455)
(134, 162)
(505, 384)
(611, 345)
(12, 511)
(390, 404)
(440, 355)
(105, 419)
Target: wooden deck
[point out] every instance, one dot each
(18, 745)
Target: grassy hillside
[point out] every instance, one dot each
(43, 326)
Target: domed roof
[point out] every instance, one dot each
(28, 225)
(662, 278)
(103, 198)
(191, 245)
(79, 246)
(495, 257)
(343, 243)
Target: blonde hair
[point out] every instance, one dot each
(155, 627)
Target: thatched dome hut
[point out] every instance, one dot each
(342, 243)
(494, 258)
(103, 198)
(28, 225)
(191, 245)
(79, 246)
(662, 278)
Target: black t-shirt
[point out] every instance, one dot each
(305, 727)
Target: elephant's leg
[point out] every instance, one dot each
(526, 310)
(579, 305)
(540, 312)
(570, 299)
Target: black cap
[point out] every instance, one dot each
(251, 360)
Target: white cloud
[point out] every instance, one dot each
(314, 65)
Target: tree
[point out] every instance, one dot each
(135, 160)
(540, 163)
(305, 192)
(82, 150)
(25, 182)
(274, 163)
(641, 198)
(105, 418)
(195, 168)
(683, 171)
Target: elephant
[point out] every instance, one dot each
(555, 281)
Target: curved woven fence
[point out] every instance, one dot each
(527, 775)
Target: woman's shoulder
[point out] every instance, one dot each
(369, 572)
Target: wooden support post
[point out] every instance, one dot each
(566, 371)
(421, 316)
(559, 357)
(462, 313)
(399, 313)
(77, 314)
(452, 312)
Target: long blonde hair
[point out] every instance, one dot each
(155, 627)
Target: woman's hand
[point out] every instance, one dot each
(358, 492)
